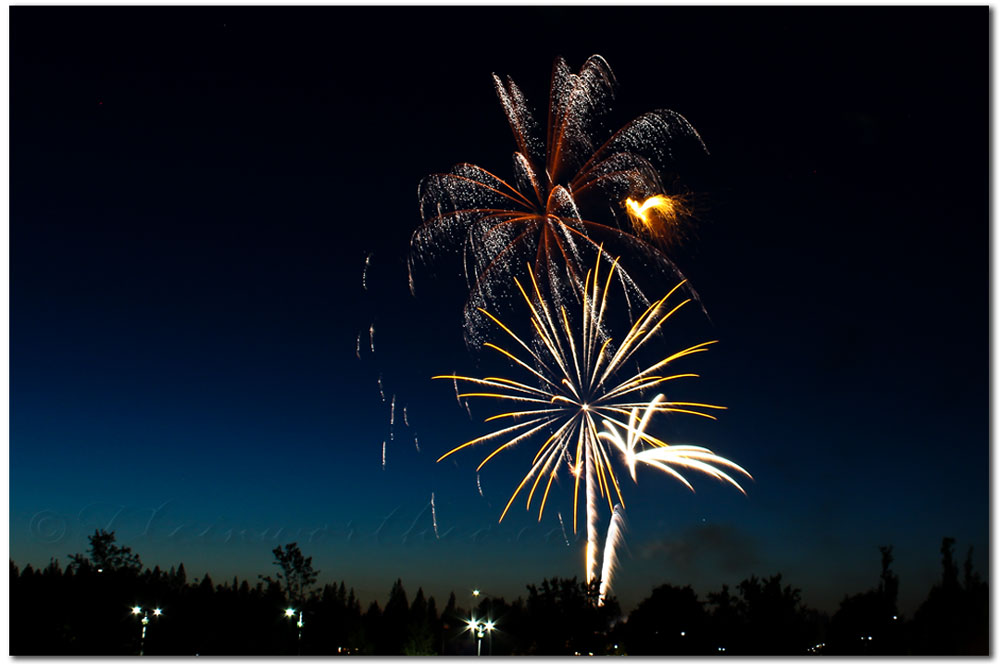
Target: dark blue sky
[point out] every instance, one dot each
(194, 193)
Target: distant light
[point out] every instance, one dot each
(299, 623)
(100, 569)
(289, 613)
(683, 633)
(475, 593)
(869, 638)
(157, 612)
(489, 625)
(895, 617)
(136, 610)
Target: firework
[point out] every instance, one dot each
(392, 416)
(371, 336)
(434, 517)
(563, 526)
(576, 385)
(364, 271)
(562, 180)
(611, 542)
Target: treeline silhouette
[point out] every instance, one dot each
(87, 609)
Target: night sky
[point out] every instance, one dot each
(194, 192)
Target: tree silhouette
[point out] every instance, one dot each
(671, 621)
(296, 574)
(106, 556)
(954, 619)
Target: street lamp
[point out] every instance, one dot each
(139, 611)
(489, 630)
(481, 628)
(290, 613)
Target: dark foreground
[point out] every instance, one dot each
(106, 603)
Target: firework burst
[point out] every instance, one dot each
(560, 182)
(576, 386)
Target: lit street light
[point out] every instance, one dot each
(479, 630)
(290, 613)
(137, 611)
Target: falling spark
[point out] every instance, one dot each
(563, 526)
(383, 455)
(357, 346)
(479, 486)
(405, 421)
(364, 271)
(381, 392)
(576, 384)
(611, 543)
(416, 443)
(434, 518)
(562, 179)
(468, 410)
(392, 416)
(371, 336)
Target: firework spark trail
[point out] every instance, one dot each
(591, 552)
(434, 518)
(561, 179)
(364, 271)
(392, 416)
(416, 443)
(405, 421)
(371, 336)
(468, 410)
(383, 455)
(357, 346)
(614, 538)
(563, 526)
(479, 485)
(381, 391)
(575, 385)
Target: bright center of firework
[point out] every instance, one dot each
(585, 407)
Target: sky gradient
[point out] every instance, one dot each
(194, 193)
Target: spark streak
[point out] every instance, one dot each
(614, 538)
(357, 346)
(383, 455)
(434, 518)
(392, 416)
(364, 271)
(381, 391)
(563, 526)
(371, 336)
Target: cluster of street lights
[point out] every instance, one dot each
(481, 628)
(139, 611)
